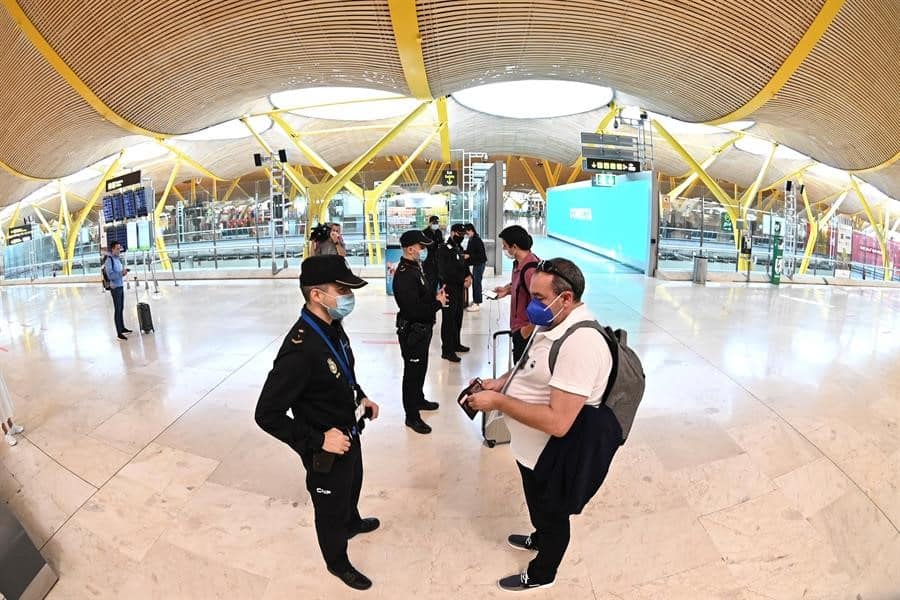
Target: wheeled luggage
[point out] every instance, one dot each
(145, 318)
(493, 424)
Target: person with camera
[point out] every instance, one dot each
(327, 240)
(418, 305)
(313, 377)
(455, 275)
(542, 401)
(429, 265)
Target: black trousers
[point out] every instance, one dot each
(551, 530)
(451, 319)
(518, 343)
(335, 496)
(477, 276)
(118, 298)
(415, 341)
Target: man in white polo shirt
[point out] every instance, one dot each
(539, 404)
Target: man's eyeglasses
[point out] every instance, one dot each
(547, 266)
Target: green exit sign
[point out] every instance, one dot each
(603, 180)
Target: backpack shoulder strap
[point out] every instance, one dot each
(557, 345)
(526, 267)
(612, 342)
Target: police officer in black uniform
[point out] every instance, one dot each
(455, 275)
(313, 377)
(415, 322)
(429, 265)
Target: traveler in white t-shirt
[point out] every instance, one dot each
(539, 404)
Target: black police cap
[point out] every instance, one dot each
(413, 237)
(458, 228)
(331, 268)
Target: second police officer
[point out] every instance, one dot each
(418, 305)
(455, 276)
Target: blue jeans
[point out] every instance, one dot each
(477, 275)
(118, 297)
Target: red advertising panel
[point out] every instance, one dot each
(866, 250)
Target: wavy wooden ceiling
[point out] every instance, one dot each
(179, 67)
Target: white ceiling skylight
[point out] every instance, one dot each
(534, 98)
(229, 130)
(830, 173)
(675, 127)
(754, 145)
(344, 103)
(41, 194)
(143, 152)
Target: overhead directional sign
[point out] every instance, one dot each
(601, 145)
(128, 179)
(602, 165)
(449, 177)
(18, 234)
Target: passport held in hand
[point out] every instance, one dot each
(463, 398)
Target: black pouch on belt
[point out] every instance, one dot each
(402, 325)
(323, 462)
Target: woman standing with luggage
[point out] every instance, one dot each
(10, 429)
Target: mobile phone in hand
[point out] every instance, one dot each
(490, 294)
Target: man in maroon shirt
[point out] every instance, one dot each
(517, 245)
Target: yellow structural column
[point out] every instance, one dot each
(444, 124)
(813, 232)
(373, 196)
(710, 183)
(64, 206)
(14, 217)
(57, 239)
(538, 186)
(692, 177)
(879, 230)
(312, 155)
(157, 215)
(744, 205)
(86, 210)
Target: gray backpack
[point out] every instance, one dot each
(625, 387)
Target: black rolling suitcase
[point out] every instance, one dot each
(145, 317)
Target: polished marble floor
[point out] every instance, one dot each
(764, 463)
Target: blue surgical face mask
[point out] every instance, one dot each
(434, 226)
(539, 313)
(345, 305)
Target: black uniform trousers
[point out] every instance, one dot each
(415, 340)
(335, 498)
(451, 319)
(551, 530)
